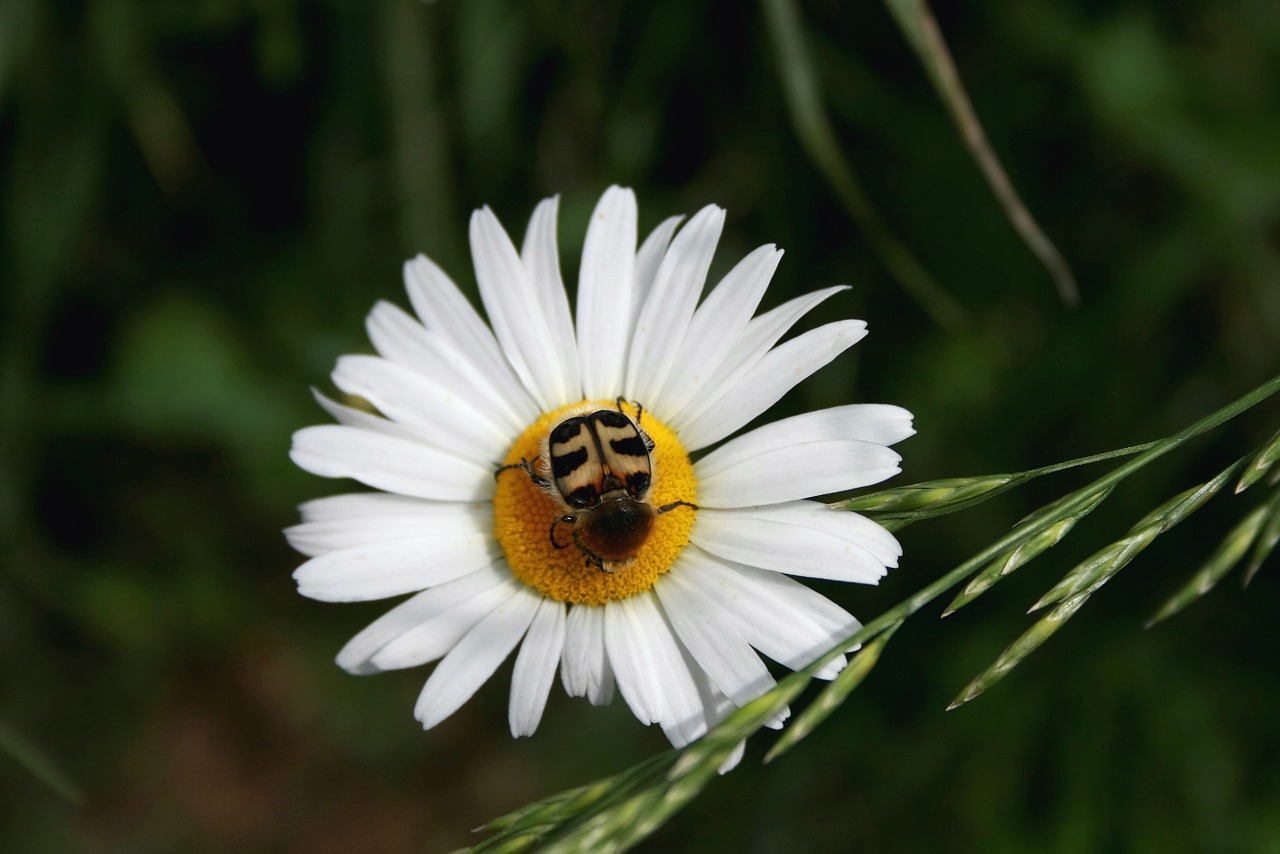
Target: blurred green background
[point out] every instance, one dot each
(201, 200)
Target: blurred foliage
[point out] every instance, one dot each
(200, 202)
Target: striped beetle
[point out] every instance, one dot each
(596, 465)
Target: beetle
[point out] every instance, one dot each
(597, 466)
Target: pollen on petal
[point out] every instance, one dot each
(541, 551)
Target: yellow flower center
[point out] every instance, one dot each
(550, 560)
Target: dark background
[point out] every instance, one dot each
(200, 202)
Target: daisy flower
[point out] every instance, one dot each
(500, 528)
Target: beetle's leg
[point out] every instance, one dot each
(674, 504)
(593, 559)
(552, 533)
(524, 466)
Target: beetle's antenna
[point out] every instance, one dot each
(639, 407)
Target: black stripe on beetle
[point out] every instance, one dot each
(565, 464)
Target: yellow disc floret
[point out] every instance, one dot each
(525, 513)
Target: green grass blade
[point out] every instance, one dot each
(529, 824)
(1010, 561)
(537, 812)
(803, 94)
(1229, 553)
(620, 826)
(1110, 560)
(900, 506)
(1030, 641)
(832, 696)
(921, 29)
(1267, 538)
(1260, 464)
(1185, 503)
(35, 760)
(1026, 551)
(930, 495)
(1098, 568)
(619, 812)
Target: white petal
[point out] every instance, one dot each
(717, 323)
(852, 527)
(445, 311)
(713, 641)
(386, 517)
(877, 423)
(469, 664)
(352, 417)
(839, 423)
(786, 473)
(444, 419)
(515, 311)
(605, 285)
(777, 721)
(650, 669)
(782, 618)
(797, 471)
(664, 317)
(777, 372)
(837, 523)
(397, 336)
(338, 508)
(882, 423)
(434, 637)
(789, 594)
(441, 307)
(630, 654)
(708, 707)
(771, 537)
(541, 258)
(401, 519)
(390, 463)
(733, 759)
(394, 567)
(357, 654)
(687, 719)
(584, 666)
(536, 668)
(648, 258)
(405, 341)
(716, 707)
(747, 349)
